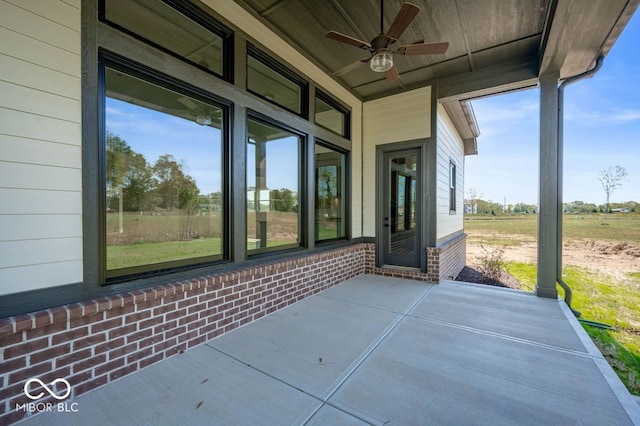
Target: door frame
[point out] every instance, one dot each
(427, 218)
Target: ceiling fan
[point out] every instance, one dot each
(381, 59)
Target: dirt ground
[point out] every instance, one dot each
(607, 256)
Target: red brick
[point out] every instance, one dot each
(108, 345)
(123, 350)
(87, 386)
(14, 364)
(89, 341)
(137, 355)
(121, 331)
(11, 339)
(174, 332)
(167, 307)
(167, 325)
(149, 323)
(106, 325)
(69, 335)
(73, 357)
(42, 318)
(128, 369)
(137, 317)
(151, 360)
(50, 354)
(59, 314)
(23, 322)
(187, 319)
(46, 330)
(176, 314)
(32, 371)
(89, 363)
(149, 341)
(140, 306)
(139, 335)
(119, 312)
(160, 347)
(25, 348)
(85, 320)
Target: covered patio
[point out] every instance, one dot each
(379, 350)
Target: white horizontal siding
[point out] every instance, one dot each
(397, 118)
(40, 145)
(33, 151)
(450, 147)
(39, 276)
(33, 227)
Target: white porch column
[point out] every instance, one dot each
(549, 192)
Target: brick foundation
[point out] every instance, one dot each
(98, 341)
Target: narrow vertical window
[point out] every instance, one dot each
(452, 187)
(330, 193)
(273, 184)
(163, 176)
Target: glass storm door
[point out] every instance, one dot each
(401, 208)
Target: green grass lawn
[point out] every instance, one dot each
(125, 256)
(509, 229)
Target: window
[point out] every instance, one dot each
(273, 82)
(331, 116)
(178, 27)
(330, 193)
(273, 187)
(163, 177)
(452, 187)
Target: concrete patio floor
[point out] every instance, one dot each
(377, 350)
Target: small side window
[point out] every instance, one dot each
(331, 116)
(452, 187)
(275, 83)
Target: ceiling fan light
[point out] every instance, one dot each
(203, 120)
(381, 61)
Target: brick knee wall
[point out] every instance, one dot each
(453, 258)
(95, 342)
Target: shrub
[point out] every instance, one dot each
(492, 263)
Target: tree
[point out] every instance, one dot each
(611, 179)
(189, 201)
(283, 200)
(139, 184)
(170, 177)
(472, 199)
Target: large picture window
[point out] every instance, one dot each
(330, 192)
(273, 188)
(164, 162)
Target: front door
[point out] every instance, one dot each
(401, 208)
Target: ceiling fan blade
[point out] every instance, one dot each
(407, 12)
(392, 74)
(343, 38)
(423, 49)
(351, 67)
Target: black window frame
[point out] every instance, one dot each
(303, 213)
(137, 70)
(347, 191)
(346, 131)
(200, 17)
(271, 63)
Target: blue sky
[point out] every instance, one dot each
(601, 130)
